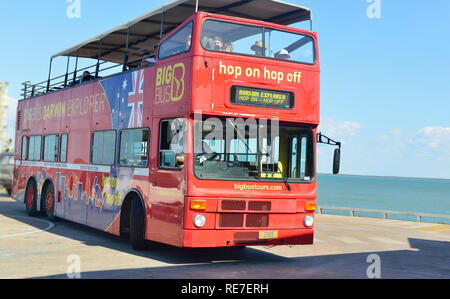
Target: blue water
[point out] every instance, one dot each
(427, 196)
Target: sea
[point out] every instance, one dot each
(413, 195)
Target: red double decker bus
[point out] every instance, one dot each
(196, 126)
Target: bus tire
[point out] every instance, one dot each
(137, 225)
(48, 201)
(31, 199)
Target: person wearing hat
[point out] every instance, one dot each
(283, 54)
(258, 48)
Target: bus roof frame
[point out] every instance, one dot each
(146, 31)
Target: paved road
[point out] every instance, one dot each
(344, 248)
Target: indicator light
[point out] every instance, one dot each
(198, 205)
(310, 206)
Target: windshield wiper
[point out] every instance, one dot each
(283, 176)
(288, 186)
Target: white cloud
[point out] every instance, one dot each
(437, 138)
(393, 141)
(338, 130)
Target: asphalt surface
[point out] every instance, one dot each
(344, 247)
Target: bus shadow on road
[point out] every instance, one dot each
(157, 251)
(428, 260)
(424, 259)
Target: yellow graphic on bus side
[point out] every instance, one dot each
(169, 85)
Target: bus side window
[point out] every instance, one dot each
(34, 148)
(103, 147)
(63, 149)
(171, 143)
(178, 43)
(24, 147)
(51, 148)
(133, 148)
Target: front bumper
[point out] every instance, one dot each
(233, 238)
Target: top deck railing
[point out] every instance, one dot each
(71, 79)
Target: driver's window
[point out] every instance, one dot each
(171, 143)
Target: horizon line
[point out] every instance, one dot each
(385, 176)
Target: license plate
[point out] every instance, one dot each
(267, 235)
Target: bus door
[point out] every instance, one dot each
(168, 180)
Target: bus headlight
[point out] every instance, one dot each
(199, 221)
(309, 220)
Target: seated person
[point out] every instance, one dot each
(218, 43)
(228, 47)
(258, 48)
(134, 65)
(215, 43)
(86, 77)
(188, 42)
(283, 54)
(207, 43)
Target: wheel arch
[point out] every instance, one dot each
(126, 210)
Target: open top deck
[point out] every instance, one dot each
(137, 39)
(147, 30)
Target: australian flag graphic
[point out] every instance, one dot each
(125, 95)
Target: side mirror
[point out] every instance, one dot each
(336, 161)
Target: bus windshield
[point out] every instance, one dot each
(257, 41)
(227, 149)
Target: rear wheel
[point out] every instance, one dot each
(137, 225)
(48, 201)
(31, 198)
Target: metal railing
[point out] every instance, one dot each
(70, 79)
(352, 212)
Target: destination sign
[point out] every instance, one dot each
(262, 97)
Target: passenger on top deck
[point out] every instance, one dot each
(258, 48)
(228, 47)
(283, 54)
(86, 77)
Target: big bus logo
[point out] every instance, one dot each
(170, 83)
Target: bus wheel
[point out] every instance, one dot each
(48, 202)
(137, 225)
(31, 198)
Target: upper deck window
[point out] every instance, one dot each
(257, 41)
(178, 43)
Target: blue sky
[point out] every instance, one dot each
(385, 81)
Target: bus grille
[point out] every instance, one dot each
(237, 220)
(241, 205)
(259, 206)
(231, 220)
(257, 220)
(233, 205)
